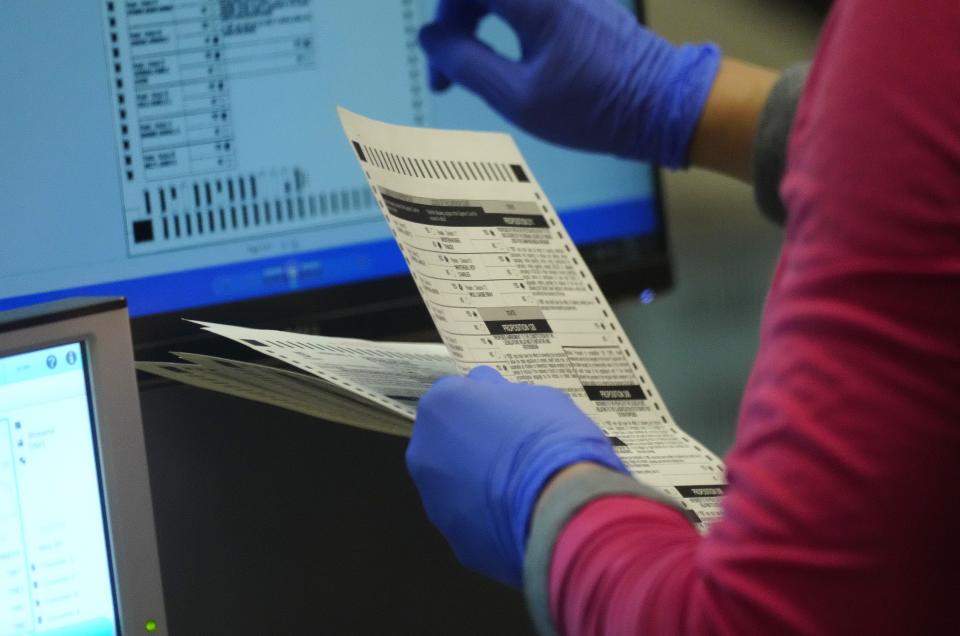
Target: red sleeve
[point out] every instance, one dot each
(839, 518)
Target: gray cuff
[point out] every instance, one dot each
(770, 144)
(558, 506)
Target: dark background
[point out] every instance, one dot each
(270, 523)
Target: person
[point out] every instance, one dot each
(838, 517)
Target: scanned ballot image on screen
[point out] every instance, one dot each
(505, 286)
(213, 129)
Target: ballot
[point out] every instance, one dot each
(505, 286)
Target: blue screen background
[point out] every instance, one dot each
(62, 186)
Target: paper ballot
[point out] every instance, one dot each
(371, 385)
(506, 287)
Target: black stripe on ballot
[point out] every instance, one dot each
(458, 215)
(614, 392)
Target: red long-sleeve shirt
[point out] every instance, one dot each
(841, 515)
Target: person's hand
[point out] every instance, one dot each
(590, 75)
(483, 449)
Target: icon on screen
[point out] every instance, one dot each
(51, 362)
(71, 357)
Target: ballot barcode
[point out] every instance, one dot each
(441, 169)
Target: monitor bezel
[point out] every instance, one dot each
(391, 306)
(102, 328)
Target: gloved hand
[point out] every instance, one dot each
(482, 450)
(590, 76)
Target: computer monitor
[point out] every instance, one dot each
(187, 155)
(78, 552)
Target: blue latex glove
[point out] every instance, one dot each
(590, 76)
(482, 450)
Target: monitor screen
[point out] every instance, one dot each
(188, 154)
(55, 573)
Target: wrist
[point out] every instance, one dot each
(566, 475)
(693, 74)
(544, 470)
(671, 85)
(570, 471)
(724, 136)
